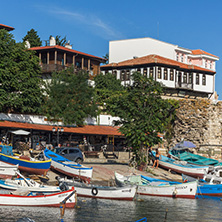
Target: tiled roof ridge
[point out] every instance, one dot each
(153, 58)
(66, 49)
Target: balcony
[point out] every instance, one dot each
(48, 68)
(181, 85)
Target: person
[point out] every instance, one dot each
(157, 157)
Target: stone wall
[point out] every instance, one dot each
(200, 121)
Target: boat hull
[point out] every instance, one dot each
(7, 170)
(51, 200)
(68, 167)
(184, 190)
(32, 167)
(188, 169)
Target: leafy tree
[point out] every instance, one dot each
(106, 86)
(70, 97)
(33, 38)
(19, 77)
(107, 58)
(142, 111)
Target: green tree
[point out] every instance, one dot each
(70, 97)
(107, 58)
(19, 77)
(106, 86)
(33, 38)
(142, 111)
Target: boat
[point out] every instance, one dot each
(182, 167)
(7, 170)
(27, 184)
(181, 152)
(101, 192)
(208, 186)
(161, 188)
(25, 163)
(68, 167)
(50, 200)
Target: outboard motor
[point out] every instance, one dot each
(63, 186)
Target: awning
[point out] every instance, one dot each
(20, 132)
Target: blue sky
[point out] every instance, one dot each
(90, 25)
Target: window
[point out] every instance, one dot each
(184, 77)
(159, 76)
(204, 80)
(138, 70)
(165, 74)
(190, 79)
(210, 65)
(171, 75)
(197, 79)
(151, 72)
(145, 71)
(205, 63)
(181, 58)
(127, 75)
(177, 57)
(122, 75)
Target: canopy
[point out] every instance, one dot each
(20, 132)
(184, 145)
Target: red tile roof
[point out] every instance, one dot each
(150, 59)
(67, 50)
(201, 52)
(88, 129)
(8, 28)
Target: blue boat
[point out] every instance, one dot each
(212, 187)
(25, 163)
(68, 167)
(182, 167)
(181, 152)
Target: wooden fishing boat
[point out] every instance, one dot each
(210, 185)
(27, 184)
(50, 200)
(161, 188)
(182, 167)
(181, 152)
(101, 192)
(25, 163)
(68, 167)
(7, 170)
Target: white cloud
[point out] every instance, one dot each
(92, 22)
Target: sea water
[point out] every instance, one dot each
(94, 210)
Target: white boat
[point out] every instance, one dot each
(101, 192)
(27, 184)
(182, 167)
(7, 170)
(156, 187)
(68, 167)
(50, 200)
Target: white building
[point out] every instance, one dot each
(183, 72)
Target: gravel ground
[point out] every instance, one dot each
(103, 173)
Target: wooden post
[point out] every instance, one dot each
(47, 58)
(82, 63)
(55, 57)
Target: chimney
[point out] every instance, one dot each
(67, 45)
(52, 41)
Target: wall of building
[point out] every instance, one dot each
(126, 49)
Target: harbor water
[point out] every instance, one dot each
(207, 209)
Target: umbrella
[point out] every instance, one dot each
(20, 132)
(184, 145)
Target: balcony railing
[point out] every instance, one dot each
(184, 85)
(52, 67)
